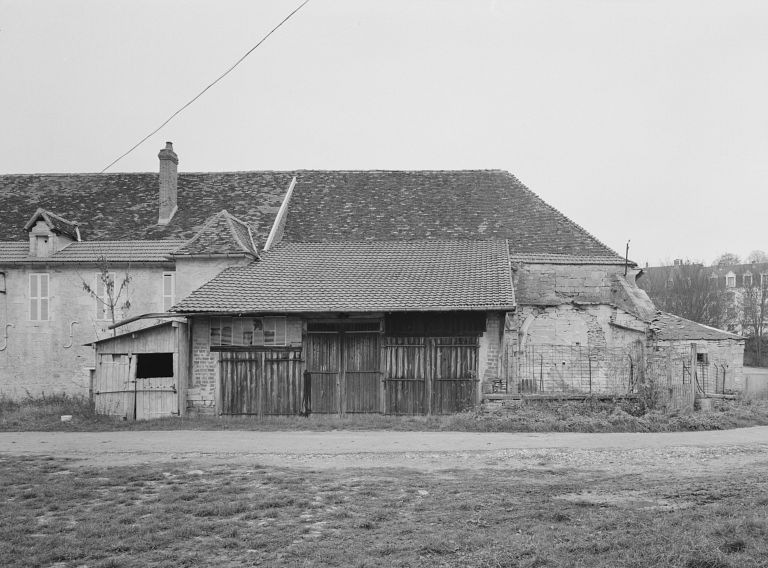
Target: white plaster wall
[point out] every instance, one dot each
(37, 359)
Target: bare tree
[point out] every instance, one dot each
(757, 256)
(108, 293)
(687, 290)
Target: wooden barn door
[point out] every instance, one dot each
(323, 365)
(406, 367)
(344, 372)
(430, 374)
(454, 377)
(260, 383)
(361, 381)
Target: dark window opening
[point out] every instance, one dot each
(151, 365)
(702, 358)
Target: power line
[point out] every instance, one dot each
(200, 94)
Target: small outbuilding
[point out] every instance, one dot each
(142, 374)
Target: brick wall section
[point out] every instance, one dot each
(201, 394)
(489, 353)
(204, 379)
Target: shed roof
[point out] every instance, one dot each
(422, 275)
(669, 327)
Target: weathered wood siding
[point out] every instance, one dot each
(344, 370)
(117, 391)
(430, 374)
(264, 382)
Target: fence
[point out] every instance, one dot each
(660, 374)
(572, 370)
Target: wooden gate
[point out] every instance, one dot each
(265, 382)
(113, 387)
(430, 374)
(344, 372)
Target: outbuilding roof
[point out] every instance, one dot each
(222, 234)
(423, 275)
(669, 327)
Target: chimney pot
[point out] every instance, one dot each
(169, 166)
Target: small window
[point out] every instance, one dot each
(39, 297)
(730, 280)
(747, 279)
(702, 358)
(151, 365)
(169, 290)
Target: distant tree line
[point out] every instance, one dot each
(705, 295)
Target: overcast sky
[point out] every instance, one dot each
(639, 119)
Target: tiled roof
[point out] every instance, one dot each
(222, 234)
(12, 252)
(56, 223)
(399, 205)
(363, 276)
(125, 206)
(671, 327)
(540, 258)
(93, 251)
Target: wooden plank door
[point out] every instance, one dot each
(361, 378)
(323, 365)
(454, 384)
(240, 382)
(156, 397)
(113, 389)
(407, 363)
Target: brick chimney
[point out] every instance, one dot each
(169, 166)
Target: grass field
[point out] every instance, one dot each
(55, 513)
(44, 414)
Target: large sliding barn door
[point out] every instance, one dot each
(430, 374)
(344, 372)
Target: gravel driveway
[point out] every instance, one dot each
(662, 453)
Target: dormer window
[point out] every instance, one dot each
(747, 279)
(730, 280)
(49, 233)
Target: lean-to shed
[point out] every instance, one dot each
(142, 374)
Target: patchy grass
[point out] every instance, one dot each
(44, 413)
(177, 515)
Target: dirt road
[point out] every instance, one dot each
(679, 452)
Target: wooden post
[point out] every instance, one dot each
(694, 378)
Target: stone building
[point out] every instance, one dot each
(324, 291)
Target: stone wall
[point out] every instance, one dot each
(42, 356)
(555, 284)
(727, 354)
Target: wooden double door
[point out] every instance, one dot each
(344, 372)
